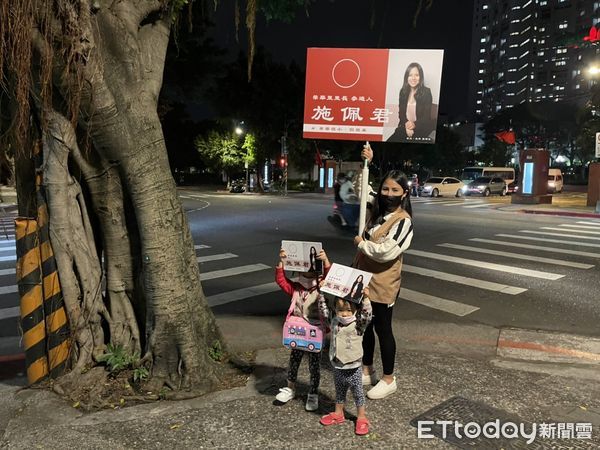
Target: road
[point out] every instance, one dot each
(470, 261)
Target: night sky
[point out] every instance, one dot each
(345, 23)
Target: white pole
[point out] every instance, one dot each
(364, 195)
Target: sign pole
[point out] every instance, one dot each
(364, 195)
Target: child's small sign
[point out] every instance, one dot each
(346, 282)
(301, 256)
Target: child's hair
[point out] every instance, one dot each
(344, 305)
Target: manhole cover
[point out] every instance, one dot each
(468, 424)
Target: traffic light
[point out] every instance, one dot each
(282, 162)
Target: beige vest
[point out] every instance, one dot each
(348, 344)
(385, 284)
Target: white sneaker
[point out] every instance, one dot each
(369, 380)
(382, 390)
(285, 395)
(312, 402)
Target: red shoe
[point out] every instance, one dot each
(362, 426)
(332, 419)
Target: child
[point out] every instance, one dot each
(345, 352)
(305, 293)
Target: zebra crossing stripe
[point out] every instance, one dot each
(547, 233)
(442, 304)
(564, 229)
(8, 272)
(478, 205)
(8, 258)
(554, 241)
(10, 248)
(590, 223)
(201, 246)
(518, 256)
(241, 294)
(473, 282)
(217, 257)
(443, 202)
(456, 203)
(585, 227)
(233, 271)
(485, 265)
(537, 247)
(10, 313)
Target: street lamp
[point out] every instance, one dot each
(239, 131)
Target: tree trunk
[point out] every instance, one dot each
(153, 300)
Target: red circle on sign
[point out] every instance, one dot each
(345, 73)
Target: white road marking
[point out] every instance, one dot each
(456, 203)
(7, 272)
(590, 223)
(217, 257)
(585, 227)
(9, 313)
(8, 258)
(201, 246)
(474, 282)
(10, 248)
(560, 234)
(9, 289)
(538, 247)
(564, 229)
(233, 271)
(241, 294)
(6, 241)
(518, 256)
(485, 265)
(554, 241)
(478, 205)
(442, 304)
(443, 202)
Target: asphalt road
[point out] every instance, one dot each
(470, 261)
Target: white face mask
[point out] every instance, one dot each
(307, 283)
(346, 320)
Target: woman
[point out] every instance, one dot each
(414, 107)
(355, 293)
(388, 233)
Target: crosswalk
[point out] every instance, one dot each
(462, 202)
(503, 264)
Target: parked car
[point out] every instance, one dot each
(486, 186)
(436, 186)
(555, 180)
(512, 188)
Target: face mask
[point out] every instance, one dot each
(346, 320)
(391, 202)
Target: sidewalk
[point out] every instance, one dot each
(491, 386)
(565, 204)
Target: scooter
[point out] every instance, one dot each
(238, 186)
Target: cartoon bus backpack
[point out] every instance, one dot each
(300, 334)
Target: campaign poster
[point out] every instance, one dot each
(301, 256)
(377, 95)
(346, 282)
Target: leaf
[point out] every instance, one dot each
(76, 404)
(176, 426)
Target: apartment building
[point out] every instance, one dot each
(529, 50)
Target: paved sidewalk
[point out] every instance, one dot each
(247, 417)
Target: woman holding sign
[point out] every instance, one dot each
(388, 233)
(414, 107)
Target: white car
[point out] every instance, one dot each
(442, 186)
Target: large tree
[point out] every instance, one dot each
(81, 81)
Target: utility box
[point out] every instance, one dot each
(533, 178)
(593, 196)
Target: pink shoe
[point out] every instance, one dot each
(332, 419)
(362, 426)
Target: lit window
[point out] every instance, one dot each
(563, 26)
(484, 7)
(543, 3)
(479, 102)
(542, 29)
(560, 63)
(480, 81)
(541, 53)
(478, 111)
(481, 70)
(482, 40)
(577, 86)
(481, 61)
(482, 50)
(538, 90)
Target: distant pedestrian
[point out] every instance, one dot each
(351, 201)
(305, 294)
(388, 234)
(341, 179)
(347, 324)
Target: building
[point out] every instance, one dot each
(526, 50)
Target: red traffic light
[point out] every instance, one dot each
(282, 162)
(593, 36)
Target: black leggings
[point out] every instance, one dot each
(314, 367)
(382, 323)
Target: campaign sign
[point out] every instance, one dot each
(372, 94)
(301, 256)
(346, 282)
